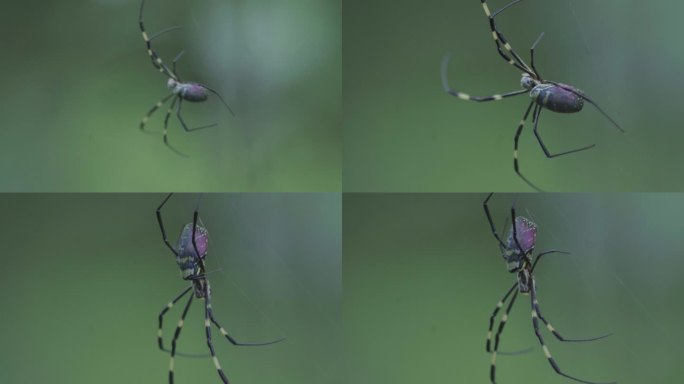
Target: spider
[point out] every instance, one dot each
(190, 251)
(180, 90)
(516, 251)
(556, 97)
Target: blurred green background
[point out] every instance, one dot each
(84, 278)
(77, 82)
(404, 133)
(422, 275)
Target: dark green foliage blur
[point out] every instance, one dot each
(84, 278)
(404, 133)
(423, 273)
(77, 80)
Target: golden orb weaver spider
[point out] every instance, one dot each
(517, 251)
(180, 90)
(556, 97)
(190, 252)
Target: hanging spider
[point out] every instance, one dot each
(556, 97)
(180, 90)
(517, 253)
(190, 251)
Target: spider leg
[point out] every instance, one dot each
(215, 92)
(515, 230)
(516, 166)
(502, 324)
(168, 306)
(166, 125)
(156, 60)
(207, 327)
(539, 256)
(161, 224)
(493, 227)
(175, 60)
(558, 336)
(590, 101)
(176, 335)
(465, 96)
(536, 72)
(152, 110)
(500, 40)
(200, 261)
(185, 126)
(493, 317)
(232, 339)
(548, 154)
(535, 323)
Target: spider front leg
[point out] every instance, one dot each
(176, 335)
(492, 226)
(161, 224)
(548, 154)
(535, 322)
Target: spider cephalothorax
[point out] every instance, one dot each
(517, 252)
(190, 252)
(545, 94)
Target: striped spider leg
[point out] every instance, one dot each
(190, 252)
(180, 91)
(545, 94)
(517, 250)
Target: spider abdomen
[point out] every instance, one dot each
(186, 255)
(558, 98)
(193, 92)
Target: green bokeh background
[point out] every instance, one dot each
(422, 274)
(77, 81)
(402, 132)
(85, 276)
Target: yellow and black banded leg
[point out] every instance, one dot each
(156, 60)
(499, 305)
(168, 306)
(207, 327)
(232, 339)
(152, 110)
(176, 335)
(166, 126)
(558, 336)
(185, 126)
(516, 165)
(500, 40)
(465, 96)
(497, 338)
(547, 353)
(548, 154)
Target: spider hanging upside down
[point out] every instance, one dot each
(190, 254)
(180, 90)
(556, 97)
(517, 253)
